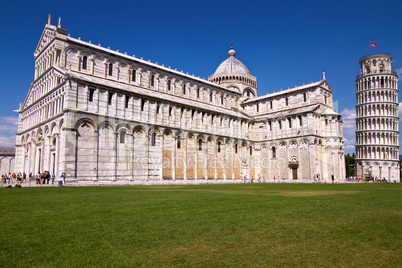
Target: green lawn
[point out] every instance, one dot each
(290, 225)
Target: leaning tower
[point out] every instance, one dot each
(377, 121)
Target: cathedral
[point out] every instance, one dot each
(102, 116)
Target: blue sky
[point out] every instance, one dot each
(283, 43)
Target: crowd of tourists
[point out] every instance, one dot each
(41, 178)
(14, 178)
(367, 179)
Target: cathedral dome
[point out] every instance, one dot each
(233, 71)
(232, 66)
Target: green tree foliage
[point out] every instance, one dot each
(350, 164)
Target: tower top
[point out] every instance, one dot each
(376, 64)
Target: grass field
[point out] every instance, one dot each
(352, 225)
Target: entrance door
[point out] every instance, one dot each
(294, 173)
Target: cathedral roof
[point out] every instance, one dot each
(232, 66)
(7, 150)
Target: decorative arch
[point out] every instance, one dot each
(83, 121)
(123, 126)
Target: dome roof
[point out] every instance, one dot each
(232, 66)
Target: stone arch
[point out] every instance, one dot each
(86, 121)
(123, 126)
(86, 144)
(53, 128)
(139, 129)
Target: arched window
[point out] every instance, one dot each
(126, 101)
(273, 152)
(236, 148)
(84, 62)
(133, 75)
(219, 146)
(199, 145)
(110, 69)
(122, 136)
(178, 142)
(153, 139)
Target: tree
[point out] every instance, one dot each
(350, 165)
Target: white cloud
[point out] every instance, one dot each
(400, 111)
(8, 128)
(7, 141)
(399, 72)
(349, 123)
(349, 143)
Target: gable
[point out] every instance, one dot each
(48, 34)
(36, 91)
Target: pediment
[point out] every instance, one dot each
(48, 34)
(29, 99)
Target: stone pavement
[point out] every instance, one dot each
(154, 182)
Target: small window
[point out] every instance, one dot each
(273, 152)
(181, 112)
(257, 107)
(326, 121)
(110, 69)
(287, 101)
(198, 93)
(126, 101)
(199, 145)
(290, 122)
(84, 62)
(251, 150)
(178, 142)
(169, 85)
(122, 136)
(248, 94)
(142, 105)
(280, 124)
(153, 139)
(270, 125)
(219, 146)
(270, 104)
(221, 100)
(110, 98)
(133, 75)
(210, 97)
(304, 97)
(152, 80)
(300, 120)
(91, 95)
(158, 106)
(236, 148)
(170, 111)
(184, 89)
